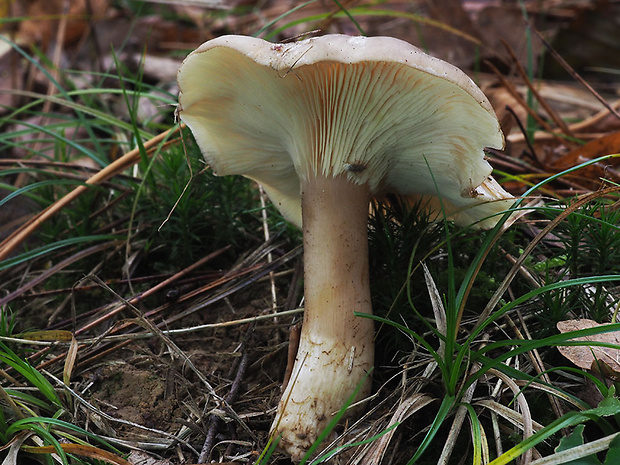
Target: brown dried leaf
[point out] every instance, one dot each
(43, 17)
(72, 354)
(80, 449)
(602, 360)
(605, 145)
(505, 22)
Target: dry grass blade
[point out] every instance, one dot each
(457, 423)
(528, 428)
(267, 236)
(573, 454)
(70, 361)
(405, 409)
(129, 159)
(509, 414)
(486, 457)
(80, 449)
(438, 309)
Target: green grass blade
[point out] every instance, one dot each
(608, 407)
(446, 406)
(282, 16)
(36, 185)
(350, 16)
(46, 249)
(35, 378)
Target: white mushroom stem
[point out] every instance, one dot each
(336, 348)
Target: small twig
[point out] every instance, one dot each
(215, 420)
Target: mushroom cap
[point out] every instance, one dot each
(375, 109)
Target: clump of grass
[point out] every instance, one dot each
(590, 246)
(192, 212)
(462, 353)
(35, 419)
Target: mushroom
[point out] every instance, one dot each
(324, 125)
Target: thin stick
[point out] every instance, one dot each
(263, 204)
(215, 420)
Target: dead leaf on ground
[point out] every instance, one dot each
(43, 16)
(605, 145)
(602, 360)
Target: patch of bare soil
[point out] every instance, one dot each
(138, 395)
(154, 392)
